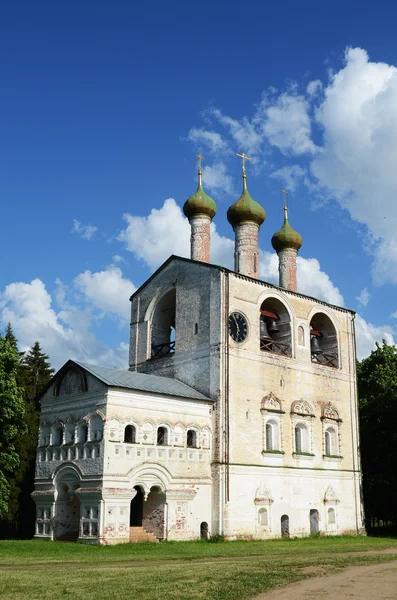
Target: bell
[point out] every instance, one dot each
(263, 330)
(272, 326)
(315, 345)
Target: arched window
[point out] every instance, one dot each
(331, 516)
(163, 325)
(323, 341)
(162, 436)
(301, 336)
(301, 438)
(82, 433)
(272, 437)
(44, 436)
(96, 428)
(330, 442)
(262, 516)
(130, 434)
(275, 328)
(57, 436)
(191, 438)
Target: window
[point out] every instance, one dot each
(191, 438)
(83, 433)
(163, 325)
(301, 438)
(271, 433)
(130, 434)
(275, 328)
(331, 516)
(330, 442)
(301, 336)
(57, 438)
(162, 437)
(262, 517)
(323, 341)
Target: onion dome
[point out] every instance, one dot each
(200, 203)
(286, 237)
(246, 209)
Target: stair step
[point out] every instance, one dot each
(139, 534)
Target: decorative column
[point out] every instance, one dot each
(286, 243)
(246, 216)
(200, 210)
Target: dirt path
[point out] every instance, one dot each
(375, 582)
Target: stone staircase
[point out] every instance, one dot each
(139, 534)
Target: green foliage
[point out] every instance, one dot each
(377, 390)
(12, 411)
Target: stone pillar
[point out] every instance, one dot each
(200, 238)
(287, 269)
(246, 251)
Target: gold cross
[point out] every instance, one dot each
(200, 158)
(244, 157)
(284, 192)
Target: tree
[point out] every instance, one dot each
(36, 372)
(12, 424)
(377, 389)
(10, 337)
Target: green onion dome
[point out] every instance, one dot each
(246, 209)
(286, 237)
(200, 203)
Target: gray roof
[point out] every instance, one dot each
(142, 381)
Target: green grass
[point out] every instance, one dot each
(181, 571)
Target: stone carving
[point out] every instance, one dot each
(329, 412)
(72, 383)
(271, 403)
(330, 495)
(300, 407)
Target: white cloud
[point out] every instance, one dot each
(211, 139)
(286, 123)
(364, 297)
(216, 178)
(63, 335)
(86, 232)
(243, 132)
(107, 291)
(367, 334)
(314, 88)
(290, 176)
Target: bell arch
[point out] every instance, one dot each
(163, 324)
(275, 327)
(324, 345)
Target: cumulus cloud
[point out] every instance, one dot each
(290, 176)
(210, 139)
(107, 291)
(367, 334)
(64, 334)
(216, 178)
(86, 232)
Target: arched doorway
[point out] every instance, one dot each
(204, 534)
(67, 507)
(136, 508)
(154, 512)
(314, 522)
(285, 526)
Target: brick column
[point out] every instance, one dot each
(287, 269)
(200, 238)
(246, 249)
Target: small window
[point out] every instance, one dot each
(301, 336)
(162, 438)
(130, 434)
(83, 433)
(330, 442)
(262, 517)
(57, 437)
(301, 438)
(269, 436)
(191, 438)
(195, 328)
(331, 516)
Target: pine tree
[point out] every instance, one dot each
(10, 337)
(36, 372)
(12, 423)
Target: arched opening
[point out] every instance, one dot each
(191, 438)
(323, 341)
(301, 438)
(272, 436)
(314, 522)
(162, 436)
(262, 517)
(136, 508)
(285, 526)
(44, 436)
(130, 434)
(330, 442)
(82, 433)
(204, 533)
(331, 516)
(153, 512)
(96, 428)
(275, 328)
(57, 436)
(163, 326)
(67, 507)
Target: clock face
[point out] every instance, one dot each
(238, 327)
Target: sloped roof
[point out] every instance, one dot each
(141, 381)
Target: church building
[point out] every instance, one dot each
(237, 415)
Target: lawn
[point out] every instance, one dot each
(180, 571)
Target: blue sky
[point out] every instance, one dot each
(102, 108)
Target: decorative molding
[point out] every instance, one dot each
(263, 496)
(271, 403)
(330, 495)
(302, 408)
